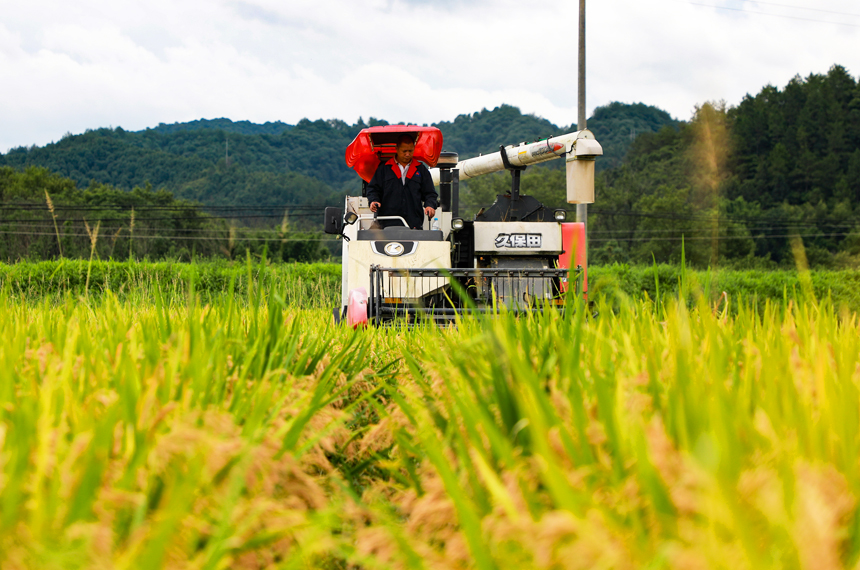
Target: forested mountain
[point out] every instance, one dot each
(223, 162)
(739, 185)
(617, 125)
(744, 185)
(799, 144)
(306, 163)
(260, 184)
(483, 132)
(740, 182)
(44, 215)
(226, 125)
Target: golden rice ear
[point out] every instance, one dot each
(54, 216)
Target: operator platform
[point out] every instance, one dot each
(402, 186)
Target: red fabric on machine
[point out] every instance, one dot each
(573, 242)
(356, 308)
(377, 144)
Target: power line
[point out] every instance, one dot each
(149, 228)
(683, 236)
(194, 238)
(310, 211)
(782, 227)
(721, 238)
(696, 217)
(281, 240)
(704, 217)
(41, 206)
(761, 223)
(802, 8)
(176, 218)
(724, 223)
(770, 14)
(220, 233)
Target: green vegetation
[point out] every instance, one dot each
(220, 162)
(307, 285)
(45, 216)
(483, 132)
(740, 186)
(317, 285)
(755, 287)
(740, 183)
(226, 125)
(280, 175)
(617, 125)
(211, 415)
(241, 431)
(195, 165)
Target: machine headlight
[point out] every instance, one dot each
(350, 218)
(560, 215)
(457, 224)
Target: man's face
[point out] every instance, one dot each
(404, 152)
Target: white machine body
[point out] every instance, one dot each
(510, 254)
(579, 145)
(359, 255)
(518, 238)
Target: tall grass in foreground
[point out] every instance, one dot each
(167, 434)
(248, 433)
(677, 439)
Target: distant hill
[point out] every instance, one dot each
(617, 125)
(735, 185)
(226, 125)
(220, 161)
(483, 132)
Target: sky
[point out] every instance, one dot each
(66, 67)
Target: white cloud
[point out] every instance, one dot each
(69, 67)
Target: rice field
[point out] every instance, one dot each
(245, 431)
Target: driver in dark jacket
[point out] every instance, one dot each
(402, 186)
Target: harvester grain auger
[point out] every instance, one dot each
(515, 253)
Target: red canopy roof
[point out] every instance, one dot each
(377, 144)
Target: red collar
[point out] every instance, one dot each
(413, 167)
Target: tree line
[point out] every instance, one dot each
(46, 216)
(220, 162)
(772, 182)
(194, 171)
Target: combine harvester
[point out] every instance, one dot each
(516, 253)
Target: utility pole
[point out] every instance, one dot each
(582, 209)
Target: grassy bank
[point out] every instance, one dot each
(318, 284)
(750, 286)
(305, 284)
